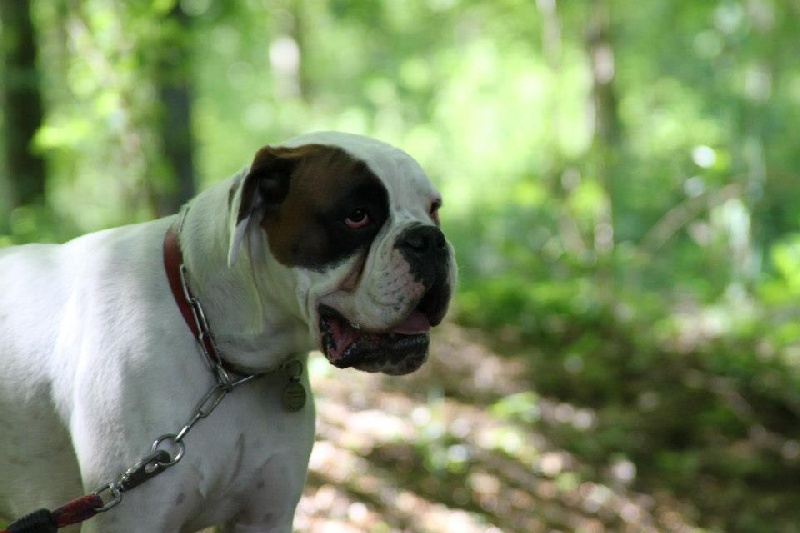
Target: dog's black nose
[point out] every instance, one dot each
(425, 250)
(421, 242)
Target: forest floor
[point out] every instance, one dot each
(461, 446)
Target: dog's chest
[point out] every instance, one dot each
(251, 458)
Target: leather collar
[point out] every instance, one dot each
(190, 307)
(294, 393)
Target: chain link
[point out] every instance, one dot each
(203, 329)
(169, 448)
(166, 450)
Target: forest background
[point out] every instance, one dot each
(621, 183)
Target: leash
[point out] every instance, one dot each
(45, 521)
(168, 449)
(165, 452)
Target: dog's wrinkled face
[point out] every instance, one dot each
(356, 220)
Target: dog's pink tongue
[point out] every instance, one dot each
(416, 323)
(344, 336)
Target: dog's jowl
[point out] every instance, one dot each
(329, 241)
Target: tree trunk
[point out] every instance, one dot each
(300, 22)
(568, 229)
(174, 82)
(607, 132)
(22, 104)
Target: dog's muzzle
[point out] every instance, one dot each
(402, 348)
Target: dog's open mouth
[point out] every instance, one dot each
(399, 350)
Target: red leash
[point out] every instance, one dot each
(45, 521)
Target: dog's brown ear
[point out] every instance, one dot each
(267, 182)
(263, 186)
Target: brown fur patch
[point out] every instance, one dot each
(309, 191)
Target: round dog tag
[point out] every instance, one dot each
(294, 396)
(293, 369)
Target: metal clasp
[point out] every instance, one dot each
(110, 492)
(145, 469)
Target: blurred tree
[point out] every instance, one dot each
(301, 20)
(558, 176)
(577, 144)
(606, 132)
(22, 103)
(173, 78)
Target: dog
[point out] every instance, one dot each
(329, 241)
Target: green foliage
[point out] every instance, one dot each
(624, 210)
(783, 287)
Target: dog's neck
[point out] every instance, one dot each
(255, 327)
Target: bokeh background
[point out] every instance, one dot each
(621, 182)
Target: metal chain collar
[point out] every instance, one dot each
(168, 449)
(203, 334)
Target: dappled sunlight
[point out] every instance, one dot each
(462, 445)
(620, 184)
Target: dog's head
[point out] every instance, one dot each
(356, 222)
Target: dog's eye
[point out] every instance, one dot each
(433, 212)
(357, 219)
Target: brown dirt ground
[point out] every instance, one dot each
(460, 446)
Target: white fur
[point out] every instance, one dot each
(96, 361)
(387, 287)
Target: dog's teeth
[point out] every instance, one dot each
(356, 325)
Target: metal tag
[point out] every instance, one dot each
(294, 396)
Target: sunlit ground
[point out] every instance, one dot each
(460, 446)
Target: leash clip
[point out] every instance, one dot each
(147, 468)
(110, 494)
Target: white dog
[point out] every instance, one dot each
(329, 241)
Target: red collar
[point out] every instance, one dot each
(190, 307)
(294, 394)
